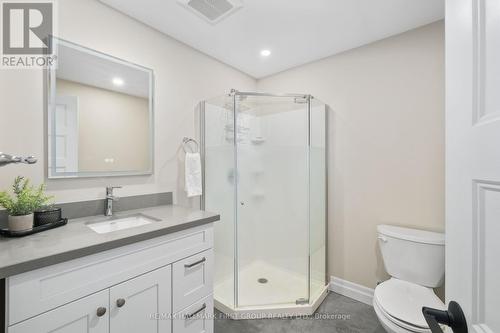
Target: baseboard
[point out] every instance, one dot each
(352, 290)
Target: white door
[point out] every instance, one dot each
(87, 315)
(63, 134)
(142, 304)
(473, 160)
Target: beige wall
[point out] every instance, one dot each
(183, 77)
(386, 139)
(111, 125)
(386, 128)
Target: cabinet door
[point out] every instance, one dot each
(86, 315)
(142, 304)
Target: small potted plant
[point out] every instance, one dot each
(23, 203)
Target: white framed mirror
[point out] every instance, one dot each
(100, 118)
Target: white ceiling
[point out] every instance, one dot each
(78, 64)
(296, 31)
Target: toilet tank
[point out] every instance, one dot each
(413, 255)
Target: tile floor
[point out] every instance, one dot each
(345, 316)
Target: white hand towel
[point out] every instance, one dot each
(192, 167)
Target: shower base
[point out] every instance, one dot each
(268, 291)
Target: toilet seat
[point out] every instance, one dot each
(401, 303)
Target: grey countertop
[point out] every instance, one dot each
(75, 240)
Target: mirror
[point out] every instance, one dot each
(100, 115)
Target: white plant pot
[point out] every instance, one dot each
(20, 223)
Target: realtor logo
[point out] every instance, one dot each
(27, 29)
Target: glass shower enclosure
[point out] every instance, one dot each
(264, 159)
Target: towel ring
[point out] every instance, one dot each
(187, 145)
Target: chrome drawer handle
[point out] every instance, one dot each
(191, 315)
(202, 260)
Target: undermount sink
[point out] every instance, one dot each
(120, 223)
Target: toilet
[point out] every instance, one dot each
(415, 261)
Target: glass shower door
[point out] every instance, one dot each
(271, 137)
(220, 187)
(317, 198)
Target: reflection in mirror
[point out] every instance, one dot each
(100, 115)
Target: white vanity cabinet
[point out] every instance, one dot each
(160, 285)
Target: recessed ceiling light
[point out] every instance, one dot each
(265, 53)
(118, 81)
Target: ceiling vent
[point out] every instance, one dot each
(212, 10)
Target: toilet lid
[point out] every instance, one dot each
(404, 301)
(399, 323)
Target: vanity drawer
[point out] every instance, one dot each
(197, 318)
(192, 279)
(32, 293)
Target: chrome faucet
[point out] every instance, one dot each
(109, 200)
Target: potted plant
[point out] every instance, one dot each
(23, 203)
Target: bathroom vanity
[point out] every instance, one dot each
(152, 278)
(144, 270)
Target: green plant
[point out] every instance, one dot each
(26, 199)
